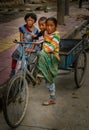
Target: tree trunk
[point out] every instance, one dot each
(67, 7)
(80, 3)
(60, 11)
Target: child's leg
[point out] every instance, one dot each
(14, 63)
(13, 67)
(15, 57)
(51, 100)
(51, 88)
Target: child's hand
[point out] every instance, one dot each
(23, 44)
(33, 35)
(28, 50)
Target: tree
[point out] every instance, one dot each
(60, 11)
(80, 3)
(67, 7)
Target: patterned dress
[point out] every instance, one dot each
(48, 58)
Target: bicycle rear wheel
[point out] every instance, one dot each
(15, 100)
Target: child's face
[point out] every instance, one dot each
(29, 21)
(50, 27)
(42, 25)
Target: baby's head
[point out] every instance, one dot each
(30, 19)
(51, 25)
(42, 23)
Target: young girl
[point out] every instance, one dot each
(40, 35)
(26, 32)
(48, 58)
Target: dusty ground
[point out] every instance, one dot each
(71, 111)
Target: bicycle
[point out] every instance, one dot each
(16, 95)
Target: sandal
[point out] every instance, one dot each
(49, 102)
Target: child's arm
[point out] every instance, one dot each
(33, 35)
(39, 34)
(21, 36)
(31, 48)
(54, 43)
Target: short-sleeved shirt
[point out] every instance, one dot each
(27, 33)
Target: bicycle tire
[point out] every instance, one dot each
(12, 97)
(80, 65)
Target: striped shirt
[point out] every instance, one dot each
(51, 43)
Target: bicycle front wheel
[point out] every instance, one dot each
(15, 100)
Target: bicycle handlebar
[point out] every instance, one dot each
(22, 42)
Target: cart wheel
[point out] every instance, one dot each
(80, 69)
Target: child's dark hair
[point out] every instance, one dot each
(42, 19)
(52, 19)
(32, 15)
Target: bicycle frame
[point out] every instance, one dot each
(24, 63)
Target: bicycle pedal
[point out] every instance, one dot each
(21, 99)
